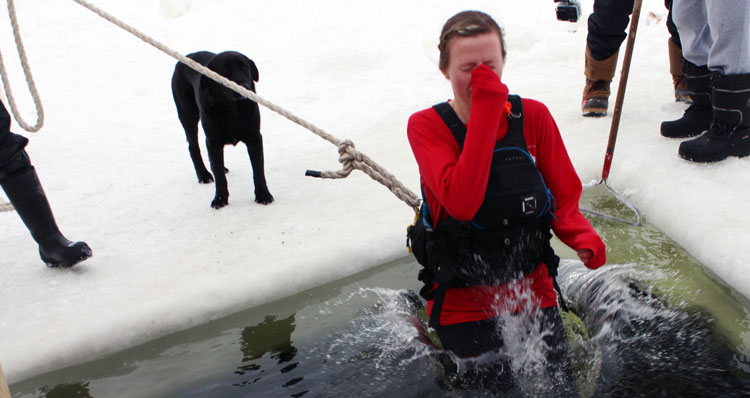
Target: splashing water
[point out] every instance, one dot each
(376, 349)
(384, 341)
(639, 343)
(387, 327)
(526, 334)
(645, 343)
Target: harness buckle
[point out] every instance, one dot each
(528, 205)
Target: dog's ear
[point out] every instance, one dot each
(253, 70)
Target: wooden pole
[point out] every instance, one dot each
(621, 89)
(4, 392)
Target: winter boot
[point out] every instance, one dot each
(26, 194)
(596, 92)
(698, 115)
(729, 133)
(678, 76)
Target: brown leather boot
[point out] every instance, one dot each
(678, 76)
(596, 92)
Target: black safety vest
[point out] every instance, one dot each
(509, 234)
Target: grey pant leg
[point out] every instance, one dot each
(730, 26)
(715, 33)
(691, 20)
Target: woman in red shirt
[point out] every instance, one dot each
(459, 181)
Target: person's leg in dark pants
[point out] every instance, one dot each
(21, 184)
(471, 339)
(559, 367)
(606, 32)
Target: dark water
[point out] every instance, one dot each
(652, 324)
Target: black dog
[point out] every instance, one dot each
(226, 116)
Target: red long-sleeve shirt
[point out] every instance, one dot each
(455, 182)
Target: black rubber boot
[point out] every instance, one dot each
(697, 117)
(26, 194)
(729, 133)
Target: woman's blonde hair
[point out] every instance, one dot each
(466, 24)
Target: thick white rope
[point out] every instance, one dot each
(29, 79)
(5, 206)
(348, 156)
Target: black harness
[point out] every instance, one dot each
(509, 234)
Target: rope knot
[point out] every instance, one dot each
(348, 155)
(344, 146)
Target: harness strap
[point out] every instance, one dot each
(437, 305)
(450, 118)
(457, 127)
(552, 261)
(444, 276)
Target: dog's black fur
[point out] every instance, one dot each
(226, 116)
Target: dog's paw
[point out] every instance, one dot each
(264, 198)
(219, 202)
(205, 178)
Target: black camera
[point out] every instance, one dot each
(568, 10)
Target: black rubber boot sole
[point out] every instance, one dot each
(710, 148)
(67, 256)
(594, 107)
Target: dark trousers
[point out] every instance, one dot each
(607, 26)
(470, 339)
(13, 158)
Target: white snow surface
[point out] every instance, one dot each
(113, 160)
